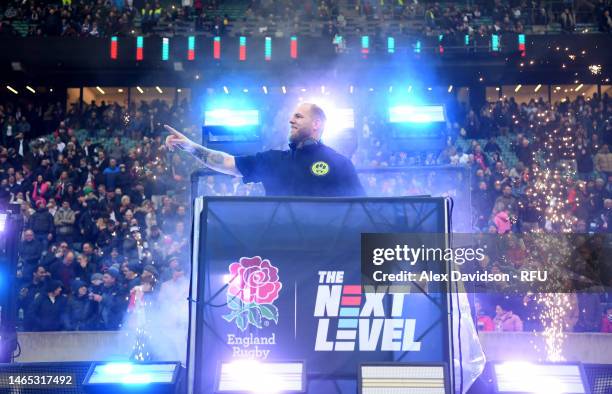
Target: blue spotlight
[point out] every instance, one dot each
(231, 117)
(416, 114)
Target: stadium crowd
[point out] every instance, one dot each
(106, 214)
(106, 18)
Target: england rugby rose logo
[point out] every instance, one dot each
(253, 286)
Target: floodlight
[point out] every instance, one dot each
(403, 378)
(256, 377)
(550, 378)
(118, 377)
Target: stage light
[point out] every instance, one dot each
(99, 89)
(165, 48)
(30, 89)
(294, 47)
(179, 90)
(495, 43)
(466, 39)
(159, 377)
(268, 49)
(390, 89)
(159, 89)
(139, 48)
(252, 376)
(365, 45)
(284, 89)
(245, 90)
(390, 45)
(450, 88)
(400, 378)
(139, 89)
(265, 89)
(417, 47)
(226, 90)
(113, 48)
(440, 47)
(3, 217)
(521, 44)
(242, 52)
(217, 48)
(525, 377)
(351, 89)
(191, 48)
(231, 117)
(517, 88)
(537, 87)
(10, 88)
(416, 114)
(579, 87)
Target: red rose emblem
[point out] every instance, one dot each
(254, 280)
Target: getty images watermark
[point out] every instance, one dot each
(487, 262)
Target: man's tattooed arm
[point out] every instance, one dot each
(215, 160)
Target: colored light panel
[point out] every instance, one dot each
(521, 44)
(390, 45)
(139, 48)
(217, 48)
(495, 43)
(191, 48)
(294, 47)
(417, 47)
(268, 49)
(165, 48)
(365, 45)
(114, 48)
(243, 52)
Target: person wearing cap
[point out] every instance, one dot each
(80, 311)
(47, 310)
(112, 302)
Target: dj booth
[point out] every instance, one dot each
(279, 280)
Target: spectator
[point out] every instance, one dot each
(111, 301)
(80, 311)
(41, 223)
(603, 161)
(30, 251)
(64, 270)
(46, 313)
(64, 223)
(505, 320)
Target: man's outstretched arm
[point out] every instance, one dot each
(215, 160)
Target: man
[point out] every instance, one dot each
(47, 310)
(309, 168)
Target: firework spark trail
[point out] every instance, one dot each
(549, 196)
